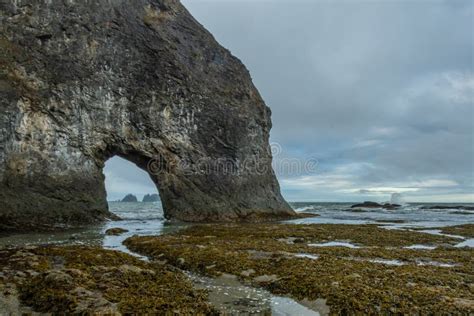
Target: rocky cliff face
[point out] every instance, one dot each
(82, 81)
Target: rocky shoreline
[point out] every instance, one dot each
(351, 268)
(88, 280)
(378, 272)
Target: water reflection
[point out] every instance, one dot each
(231, 297)
(138, 219)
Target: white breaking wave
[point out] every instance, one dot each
(305, 208)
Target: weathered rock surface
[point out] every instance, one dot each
(82, 81)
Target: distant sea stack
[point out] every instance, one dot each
(129, 198)
(83, 81)
(151, 198)
(448, 207)
(369, 204)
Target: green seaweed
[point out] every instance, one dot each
(466, 230)
(343, 276)
(92, 280)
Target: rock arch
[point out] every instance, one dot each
(81, 81)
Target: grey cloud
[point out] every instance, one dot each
(382, 90)
(123, 177)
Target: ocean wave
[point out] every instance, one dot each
(305, 208)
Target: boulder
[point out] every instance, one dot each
(115, 231)
(389, 206)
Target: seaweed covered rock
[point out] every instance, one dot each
(93, 281)
(116, 231)
(83, 81)
(466, 230)
(383, 276)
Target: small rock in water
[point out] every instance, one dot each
(369, 204)
(115, 231)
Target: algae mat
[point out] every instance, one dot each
(376, 276)
(91, 281)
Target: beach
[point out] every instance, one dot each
(334, 260)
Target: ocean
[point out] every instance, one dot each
(141, 218)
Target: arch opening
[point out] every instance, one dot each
(125, 181)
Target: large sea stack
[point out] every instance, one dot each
(83, 81)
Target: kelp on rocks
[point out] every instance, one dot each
(266, 255)
(92, 280)
(466, 230)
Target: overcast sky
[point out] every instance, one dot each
(381, 93)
